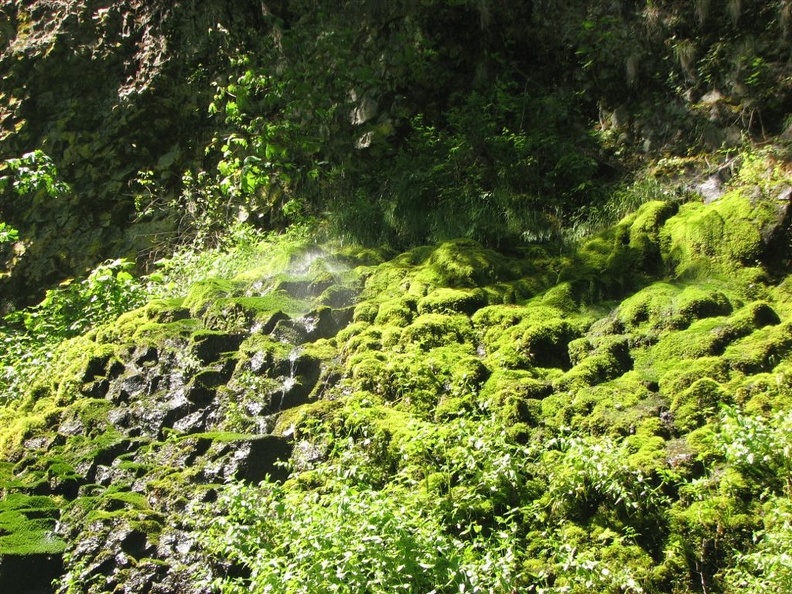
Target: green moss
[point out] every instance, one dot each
(515, 396)
(398, 312)
(764, 393)
(452, 301)
(610, 359)
(723, 235)
(417, 380)
(649, 219)
(27, 525)
(711, 336)
(155, 313)
(561, 297)
(359, 337)
(463, 263)
(29, 419)
(365, 312)
(433, 330)
(695, 302)
(763, 350)
(698, 404)
(524, 337)
(646, 306)
(293, 422)
(203, 293)
(240, 314)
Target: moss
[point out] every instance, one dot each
(515, 396)
(614, 408)
(74, 362)
(696, 303)
(648, 452)
(649, 219)
(698, 404)
(417, 379)
(338, 296)
(368, 371)
(240, 314)
(203, 293)
(452, 301)
(359, 337)
(685, 373)
(353, 256)
(390, 280)
(259, 352)
(561, 297)
(610, 359)
(398, 312)
(604, 267)
(524, 337)
(463, 263)
(293, 422)
(433, 330)
(155, 313)
(763, 350)
(711, 336)
(27, 525)
(646, 307)
(764, 393)
(365, 312)
(28, 420)
(390, 432)
(723, 235)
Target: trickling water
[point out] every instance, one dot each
(309, 323)
(293, 356)
(290, 381)
(288, 384)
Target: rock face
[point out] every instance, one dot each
(112, 464)
(101, 87)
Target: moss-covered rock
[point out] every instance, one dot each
(724, 235)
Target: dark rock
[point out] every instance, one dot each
(338, 297)
(200, 394)
(145, 354)
(135, 544)
(192, 423)
(130, 387)
(257, 457)
(209, 347)
(96, 389)
(96, 367)
(290, 331)
(268, 325)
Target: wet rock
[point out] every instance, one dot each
(96, 389)
(256, 458)
(193, 423)
(338, 297)
(209, 346)
(129, 388)
(145, 354)
(267, 325)
(290, 331)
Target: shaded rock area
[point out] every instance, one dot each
(112, 464)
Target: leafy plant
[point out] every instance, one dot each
(109, 290)
(345, 538)
(768, 566)
(34, 172)
(7, 233)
